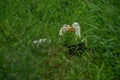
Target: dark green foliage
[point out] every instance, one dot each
(22, 21)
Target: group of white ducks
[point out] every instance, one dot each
(74, 28)
(65, 28)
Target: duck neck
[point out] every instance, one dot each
(78, 32)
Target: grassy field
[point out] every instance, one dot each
(22, 21)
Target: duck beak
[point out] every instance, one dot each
(71, 29)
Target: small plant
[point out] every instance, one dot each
(22, 21)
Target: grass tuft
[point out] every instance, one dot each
(22, 21)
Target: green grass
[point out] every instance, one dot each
(22, 21)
